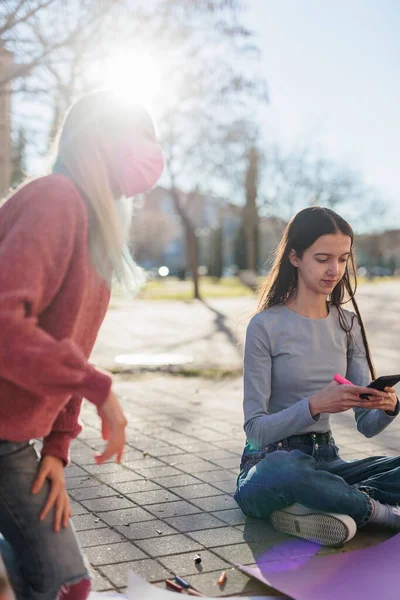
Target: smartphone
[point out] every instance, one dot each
(381, 383)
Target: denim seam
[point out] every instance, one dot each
(368, 501)
(18, 523)
(366, 489)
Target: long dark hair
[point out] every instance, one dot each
(301, 232)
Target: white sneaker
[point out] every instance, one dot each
(327, 529)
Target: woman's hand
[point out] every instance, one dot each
(113, 424)
(387, 400)
(52, 468)
(336, 398)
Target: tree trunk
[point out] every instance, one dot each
(193, 257)
(250, 231)
(250, 212)
(192, 248)
(216, 250)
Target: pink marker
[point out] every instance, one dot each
(342, 380)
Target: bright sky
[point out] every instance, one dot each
(333, 72)
(334, 83)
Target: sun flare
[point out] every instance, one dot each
(133, 75)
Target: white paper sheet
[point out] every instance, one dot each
(106, 596)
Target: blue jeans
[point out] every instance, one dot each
(308, 469)
(38, 560)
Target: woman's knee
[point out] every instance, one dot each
(259, 500)
(77, 588)
(272, 483)
(68, 578)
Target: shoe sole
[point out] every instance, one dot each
(324, 529)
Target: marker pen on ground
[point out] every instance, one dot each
(182, 582)
(174, 586)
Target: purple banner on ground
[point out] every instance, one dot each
(370, 573)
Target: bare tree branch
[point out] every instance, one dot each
(65, 46)
(11, 21)
(303, 178)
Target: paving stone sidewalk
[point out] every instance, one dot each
(172, 496)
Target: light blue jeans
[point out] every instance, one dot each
(308, 469)
(40, 563)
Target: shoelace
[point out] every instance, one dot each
(396, 510)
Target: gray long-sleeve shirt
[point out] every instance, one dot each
(287, 359)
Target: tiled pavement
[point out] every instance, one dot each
(172, 495)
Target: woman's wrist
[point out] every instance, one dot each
(395, 411)
(314, 406)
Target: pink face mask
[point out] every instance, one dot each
(140, 165)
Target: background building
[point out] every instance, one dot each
(379, 254)
(158, 237)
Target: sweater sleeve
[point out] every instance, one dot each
(261, 427)
(65, 428)
(36, 249)
(369, 422)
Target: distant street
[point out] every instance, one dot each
(211, 333)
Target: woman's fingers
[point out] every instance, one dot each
(67, 512)
(51, 469)
(51, 500)
(105, 430)
(379, 403)
(62, 510)
(40, 479)
(59, 512)
(115, 445)
(372, 402)
(108, 453)
(59, 499)
(113, 429)
(357, 390)
(119, 456)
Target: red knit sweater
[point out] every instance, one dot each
(52, 303)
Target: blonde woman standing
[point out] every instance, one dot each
(61, 242)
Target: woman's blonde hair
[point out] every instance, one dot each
(86, 151)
